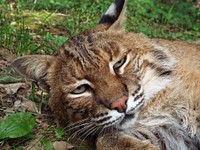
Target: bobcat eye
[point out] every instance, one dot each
(118, 64)
(80, 89)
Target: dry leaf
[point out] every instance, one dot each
(9, 111)
(5, 147)
(62, 145)
(35, 144)
(26, 105)
(11, 88)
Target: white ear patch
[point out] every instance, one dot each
(111, 10)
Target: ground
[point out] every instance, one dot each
(15, 96)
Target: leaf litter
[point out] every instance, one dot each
(15, 97)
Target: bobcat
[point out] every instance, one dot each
(132, 91)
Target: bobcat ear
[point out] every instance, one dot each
(35, 68)
(115, 15)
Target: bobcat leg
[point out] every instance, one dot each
(123, 142)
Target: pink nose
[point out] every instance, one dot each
(119, 104)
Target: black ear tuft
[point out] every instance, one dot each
(113, 12)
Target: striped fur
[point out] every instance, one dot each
(161, 80)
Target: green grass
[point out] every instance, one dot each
(177, 20)
(26, 26)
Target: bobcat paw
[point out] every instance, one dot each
(123, 142)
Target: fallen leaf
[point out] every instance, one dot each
(30, 106)
(2, 91)
(24, 90)
(62, 145)
(17, 104)
(26, 105)
(35, 144)
(11, 88)
(9, 111)
(6, 54)
(6, 147)
(42, 122)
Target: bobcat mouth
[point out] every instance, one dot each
(127, 118)
(117, 120)
(106, 122)
(136, 101)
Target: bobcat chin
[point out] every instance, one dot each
(146, 91)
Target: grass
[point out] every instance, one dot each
(41, 26)
(162, 19)
(37, 26)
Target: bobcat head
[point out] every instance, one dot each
(104, 76)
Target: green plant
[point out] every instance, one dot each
(47, 144)
(33, 91)
(59, 132)
(173, 20)
(17, 125)
(6, 79)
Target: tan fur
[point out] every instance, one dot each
(123, 142)
(161, 79)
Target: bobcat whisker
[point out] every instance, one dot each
(76, 125)
(78, 132)
(87, 133)
(103, 131)
(84, 132)
(112, 129)
(100, 132)
(77, 122)
(97, 129)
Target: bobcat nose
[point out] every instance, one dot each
(119, 104)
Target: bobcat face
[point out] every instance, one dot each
(99, 76)
(104, 76)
